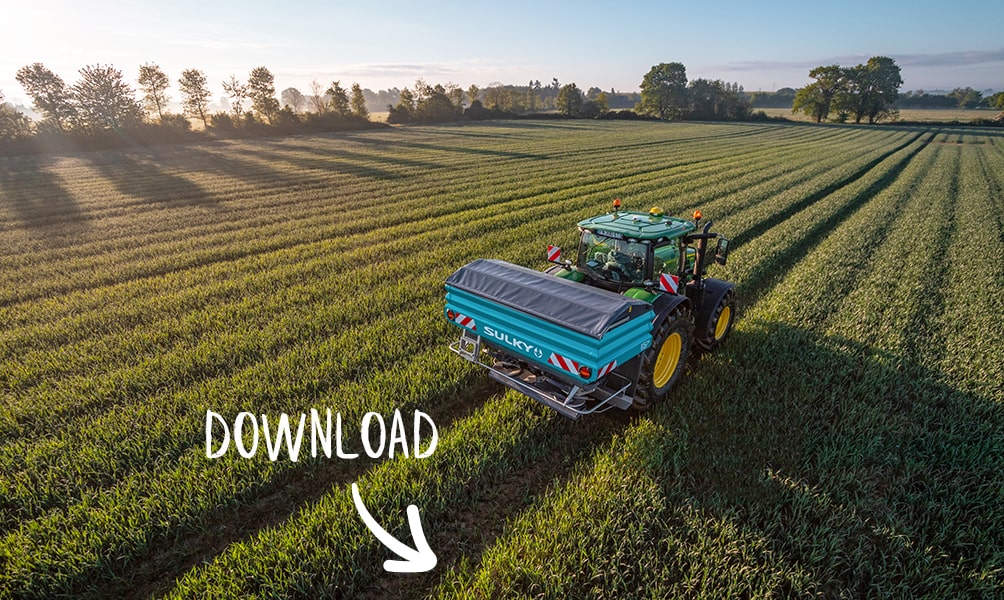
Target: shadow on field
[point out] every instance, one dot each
(223, 159)
(890, 176)
(769, 272)
(402, 141)
(36, 197)
(332, 161)
(138, 175)
(855, 465)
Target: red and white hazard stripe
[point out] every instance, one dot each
(553, 253)
(564, 363)
(607, 369)
(465, 321)
(669, 283)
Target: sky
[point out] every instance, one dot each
(762, 45)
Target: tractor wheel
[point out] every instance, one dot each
(663, 364)
(719, 324)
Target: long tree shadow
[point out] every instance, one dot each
(768, 272)
(855, 463)
(331, 161)
(137, 175)
(405, 140)
(38, 198)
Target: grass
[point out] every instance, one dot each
(845, 442)
(910, 115)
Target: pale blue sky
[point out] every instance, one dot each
(762, 45)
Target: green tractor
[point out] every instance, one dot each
(612, 329)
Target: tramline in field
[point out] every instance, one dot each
(845, 441)
(613, 329)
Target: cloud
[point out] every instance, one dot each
(962, 58)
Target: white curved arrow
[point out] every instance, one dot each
(417, 560)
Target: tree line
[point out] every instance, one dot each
(866, 90)
(960, 97)
(102, 105)
(871, 91)
(666, 94)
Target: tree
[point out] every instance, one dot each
(317, 100)
(49, 94)
(237, 92)
(435, 106)
(603, 102)
(13, 124)
(882, 83)
(664, 91)
(569, 100)
(359, 102)
(869, 90)
(497, 97)
(154, 84)
(816, 99)
(717, 101)
(967, 97)
(293, 98)
(195, 92)
(405, 109)
(472, 94)
(456, 96)
(338, 99)
(261, 90)
(703, 100)
(105, 100)
(852, 97)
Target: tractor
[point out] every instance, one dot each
(614, 328)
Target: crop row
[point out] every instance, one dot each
(102, 417)
(746, 481)
(279, 225)
(570, 530)
(138, 312)
(858, 471)
(34, 368)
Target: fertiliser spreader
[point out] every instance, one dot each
(613, 329)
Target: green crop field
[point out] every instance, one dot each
(847, 441)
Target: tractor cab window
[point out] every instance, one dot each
(666, 259)
(613, 259)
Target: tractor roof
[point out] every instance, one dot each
(639, 225)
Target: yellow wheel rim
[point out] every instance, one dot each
(723, 322)
(665, 363)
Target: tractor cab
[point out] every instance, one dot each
(628, 249)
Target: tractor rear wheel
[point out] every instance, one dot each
(663, 364)
(719, 324)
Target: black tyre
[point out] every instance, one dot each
(663, 364)
(719, 323)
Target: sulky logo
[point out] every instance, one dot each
(514, 342)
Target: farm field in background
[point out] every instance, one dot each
(847, 440)
(911, 115)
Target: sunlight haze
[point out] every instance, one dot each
(762, 46)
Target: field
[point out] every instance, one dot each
(847, 441)
(911, 115)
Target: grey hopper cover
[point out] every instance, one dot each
(579, 307)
